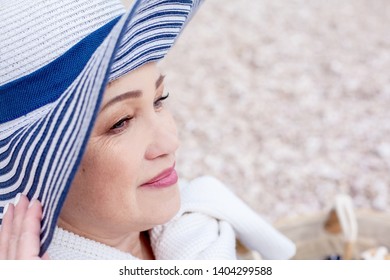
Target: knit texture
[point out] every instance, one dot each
(69, 246)
(206, 227)
(209, 221)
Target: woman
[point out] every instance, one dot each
(85, 132)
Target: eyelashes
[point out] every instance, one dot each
(124, 122)
(120, 125)
(159, 102)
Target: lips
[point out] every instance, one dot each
(165, 179)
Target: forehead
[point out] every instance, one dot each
(143, 78)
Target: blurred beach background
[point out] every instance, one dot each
(286, 102)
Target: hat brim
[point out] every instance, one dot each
(42, 141)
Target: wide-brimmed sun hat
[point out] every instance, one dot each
(56, 59)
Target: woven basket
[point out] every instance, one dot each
(315, 243)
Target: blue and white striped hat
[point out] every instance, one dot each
(56, 58)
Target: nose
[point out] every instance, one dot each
(164, 139)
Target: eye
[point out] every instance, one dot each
(120, 125)
(158, 103)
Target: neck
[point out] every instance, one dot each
(135, 243)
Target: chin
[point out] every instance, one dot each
(169, 211)
(165, 208)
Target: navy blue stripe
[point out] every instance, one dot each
(151, 51)
(13, 138)
(62, 182)
(45, 85)
(15, 154)
(170, 25)
(163, 14)
(147, 40)
(48, 147)
(169, 2)
(4, 141)
(150, 59)
(20, 167)
(69, 143)
(157, 26)
(64, 163)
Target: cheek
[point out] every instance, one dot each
(106, 176)
(170, 122)
(116, 163)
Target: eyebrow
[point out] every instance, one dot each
(126, 95)
(159, 81)
(131, 94)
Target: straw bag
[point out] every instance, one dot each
(324, 236)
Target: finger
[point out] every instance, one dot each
(29, 240)
(21, 204)
(5, 232)
(45, 256)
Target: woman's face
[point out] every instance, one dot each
(133, 142)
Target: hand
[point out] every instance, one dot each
(20, 230)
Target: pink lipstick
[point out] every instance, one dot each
(165, 179)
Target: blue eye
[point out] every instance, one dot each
(159, 102)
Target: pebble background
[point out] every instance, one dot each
(287, 102)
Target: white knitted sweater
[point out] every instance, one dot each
(206, 227)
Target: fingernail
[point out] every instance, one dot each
(32, 202)
(17, 199)
(5, 209)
